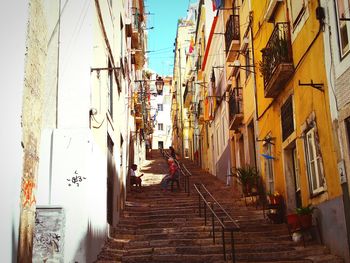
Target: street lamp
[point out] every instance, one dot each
(159, 85)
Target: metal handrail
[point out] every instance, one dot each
(186, 174)
(221, 221)
(233, 221)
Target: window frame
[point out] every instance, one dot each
(160, 127)
(160, 107)
(342, 54)
(314, 169)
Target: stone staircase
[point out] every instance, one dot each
(166, 227)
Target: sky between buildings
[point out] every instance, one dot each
(163, 17)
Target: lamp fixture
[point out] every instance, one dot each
(159, 85)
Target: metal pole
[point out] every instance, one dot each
(223, 241)
(199, 202)
(205, 213)
(212, 222)
(232, 248)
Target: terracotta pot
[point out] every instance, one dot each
(293, 221)
(305, 220)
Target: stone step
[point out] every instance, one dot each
(166, 227)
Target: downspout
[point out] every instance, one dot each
(256, 123)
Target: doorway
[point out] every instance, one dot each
(292, 177)
(110, 180)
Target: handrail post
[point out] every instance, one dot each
(232, 248)
(205, 213)
(188, 186)
(199, 202)
(212, 222)
(223, 241)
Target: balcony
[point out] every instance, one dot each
(200, 112)
(232, 37)
(236, 108)
(277, 61)
(187, 96)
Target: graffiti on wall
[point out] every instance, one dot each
(48, 239)
(76, 179)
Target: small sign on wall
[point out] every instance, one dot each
(48, 240)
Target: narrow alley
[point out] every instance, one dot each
(250, 97)
(166, 227)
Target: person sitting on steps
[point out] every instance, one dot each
(172, 176)
(172, 152)
(134, 179)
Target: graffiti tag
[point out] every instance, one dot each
(77, 179)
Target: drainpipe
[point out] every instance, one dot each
(256, 126)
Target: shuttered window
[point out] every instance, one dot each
(314, 162)
(287, 118)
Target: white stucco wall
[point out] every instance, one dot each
(162, 117)
(70, 150)
(76, 54)
(74, 153)
(11, 78)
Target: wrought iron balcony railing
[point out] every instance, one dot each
(277, 60)
(232, 31)
(236, 108)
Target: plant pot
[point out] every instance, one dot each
(305, 220)
(293, 221)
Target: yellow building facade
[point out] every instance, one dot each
(297, 151)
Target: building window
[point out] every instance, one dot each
(287, 118)
(313, 162)
(247, 63)
(218, 141)
(160, 126)
(342, 7)
(347, 124)
(110, 89)
(297, 8)
(160, 107)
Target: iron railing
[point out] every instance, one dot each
(228, 225)
(235, 103)
(232, 31)
(277, 51)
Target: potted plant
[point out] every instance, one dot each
(305, 215)
(248, 176)
(275, 199)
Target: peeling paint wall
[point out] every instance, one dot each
(33, 99)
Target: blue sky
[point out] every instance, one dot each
(161, 39)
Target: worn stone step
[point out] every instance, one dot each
(297, 253)
(175, 258)
(166, 227)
